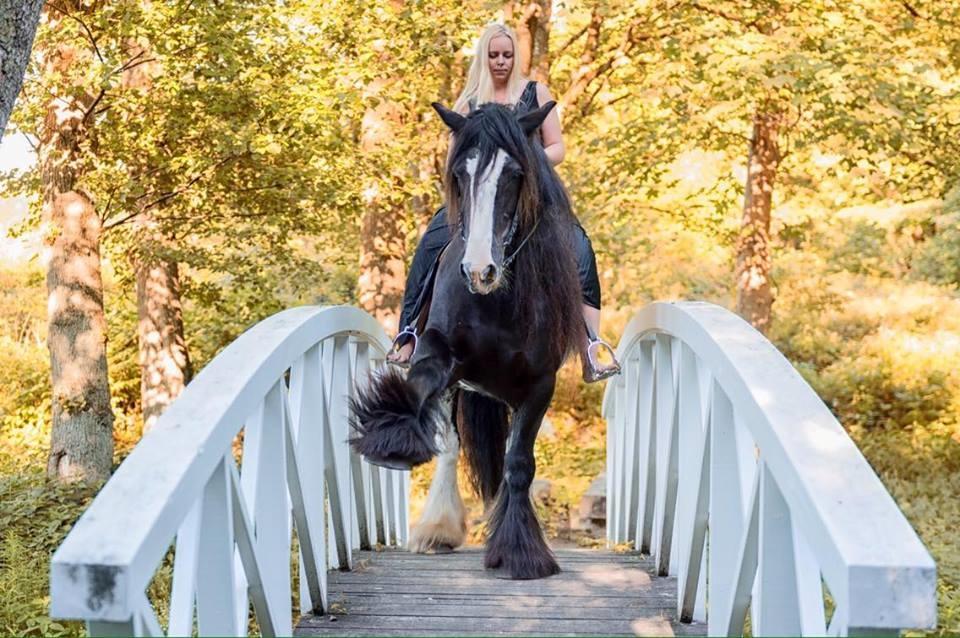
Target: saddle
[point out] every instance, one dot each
(421, 312)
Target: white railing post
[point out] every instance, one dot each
(361, 480)
(646, 446)
(692, 496)
(631, 475)
(340, 391)
(184, 587)
(306, 431)
(726, 511)
(667, 452)
(777, 604)
(216, 603)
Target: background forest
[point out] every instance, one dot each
(209, 164)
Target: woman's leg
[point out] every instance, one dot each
(593, 368)
(431, 244)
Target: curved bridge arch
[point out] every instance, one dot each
(285, 384)
(715, 441)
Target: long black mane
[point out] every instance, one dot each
(542, 280)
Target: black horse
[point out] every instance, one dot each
(505, 313)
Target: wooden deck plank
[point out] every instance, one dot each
(577, 602)
(598, 593)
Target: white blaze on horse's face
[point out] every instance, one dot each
(478, 264)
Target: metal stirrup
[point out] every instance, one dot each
(407, 330)
(614, 369)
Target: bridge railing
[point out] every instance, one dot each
(278, 398)
(727, 468)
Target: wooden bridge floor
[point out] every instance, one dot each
(599, 593)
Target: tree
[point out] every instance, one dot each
(784, 80)
(189, 143)
(18, 25)
(533, 21)
(81, 445)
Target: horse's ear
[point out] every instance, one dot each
(531, 121)
(451, 118)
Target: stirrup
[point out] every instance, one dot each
(593, 374)
(398, 341)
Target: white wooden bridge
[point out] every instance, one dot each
(723, 466)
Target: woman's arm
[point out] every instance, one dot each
(550, 129)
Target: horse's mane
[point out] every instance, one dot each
(543, 278)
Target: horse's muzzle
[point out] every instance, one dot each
(482, 280)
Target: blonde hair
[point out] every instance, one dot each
(479, 79)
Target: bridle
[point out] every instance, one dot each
(511, 232)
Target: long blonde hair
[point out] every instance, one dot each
(479, 79)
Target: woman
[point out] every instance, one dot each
(494, 77)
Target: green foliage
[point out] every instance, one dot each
(35, 516)
(938, 258)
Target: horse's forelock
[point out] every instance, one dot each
(489, 128)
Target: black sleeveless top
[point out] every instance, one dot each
(528, 102)
(528, 99)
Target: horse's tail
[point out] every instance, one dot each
(390, 426)
(483, 425)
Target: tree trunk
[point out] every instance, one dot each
(164, 361)
(383, 234)
(754, 293)
(532, 20)
(18, 25)
(81, 446)
(382, 263)
(540, 60)
(81, 442)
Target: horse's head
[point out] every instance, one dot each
(492, 189)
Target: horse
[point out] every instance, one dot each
(504, 314)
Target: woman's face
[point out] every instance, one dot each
(500, 58)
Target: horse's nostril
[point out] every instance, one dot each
(489, 274)
(465, 271)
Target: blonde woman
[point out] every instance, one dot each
(494, 76)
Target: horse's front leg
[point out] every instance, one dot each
(398, 421)
(515, 542)
(443, 524)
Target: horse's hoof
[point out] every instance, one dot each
(521, 564)
(390, 464)
(437, 537)
(542, 569)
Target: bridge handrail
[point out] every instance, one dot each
(285, 383)
(716, 441)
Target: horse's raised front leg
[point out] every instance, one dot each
(443, 524)
(515, 542)
(397, 421)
